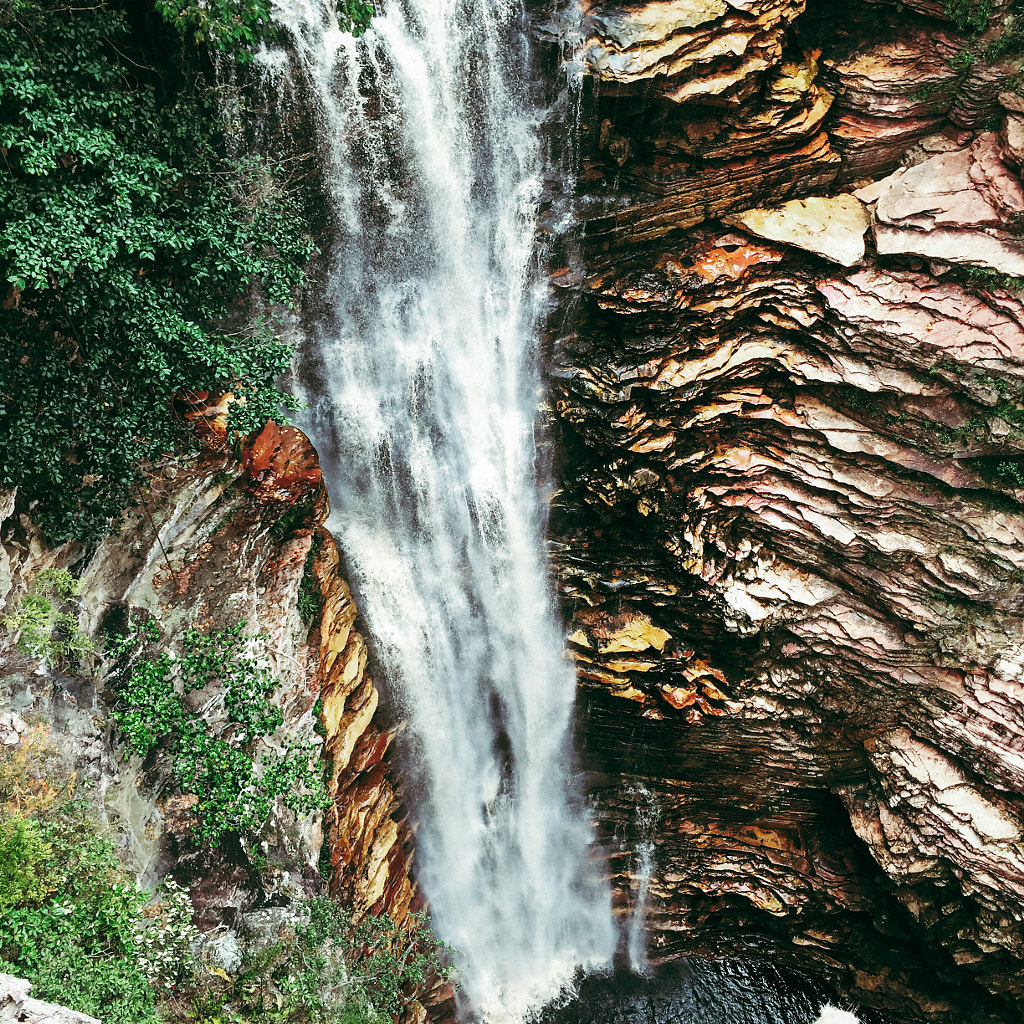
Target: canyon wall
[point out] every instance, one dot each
(788, 376)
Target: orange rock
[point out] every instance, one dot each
(733, 262)
(283, 462)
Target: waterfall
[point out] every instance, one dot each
(647, 816)
(422, 384)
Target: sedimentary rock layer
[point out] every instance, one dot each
(815, 476)
(792, 527)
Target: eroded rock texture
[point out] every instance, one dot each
(791, 536)
(18, 1007)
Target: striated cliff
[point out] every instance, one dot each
(788, 371)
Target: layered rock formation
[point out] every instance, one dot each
(792, 525)
(215, 540)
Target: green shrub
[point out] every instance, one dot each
(165, 937)
(77, 946)
(968, 15)
(236, 787)
(45, 631)
(333, 972)
(23, 862)
(127, 240)
(235, 26)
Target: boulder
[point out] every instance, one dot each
(18, 1007)
(829, 226)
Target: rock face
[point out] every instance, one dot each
(791, 531)
(832, 227)
(215, 540)
(964, 206)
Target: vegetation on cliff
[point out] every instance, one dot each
(234, 786)
(234, 26)
(74, 922)
(140, 260)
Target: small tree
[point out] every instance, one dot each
(44, 629)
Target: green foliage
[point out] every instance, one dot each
(330, 971)
(963, 61)
(92, 940)
(292, 519)
(236, 26)
(45, 631)
(1009, 42)
(23, 862)
(236, 787)
(126, 238)
(310, 602)
(986, 277)
(968, 15)
(77, 944)
(1011, 472)
(165, 936)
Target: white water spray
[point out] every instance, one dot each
(833, 1015)
(423, 387)
(646, 819)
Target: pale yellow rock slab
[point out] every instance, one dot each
(830, 226)
(637, 634)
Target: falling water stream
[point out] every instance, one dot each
(422, 383)
(647, 817)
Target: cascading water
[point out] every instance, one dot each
(422, 382)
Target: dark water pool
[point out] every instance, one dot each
(698, 991)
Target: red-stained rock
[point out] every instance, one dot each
(808, 480)
(282, 464)
(208, 414)
(889, 94)
(732, 261)
(360, 829)
(690, 198)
